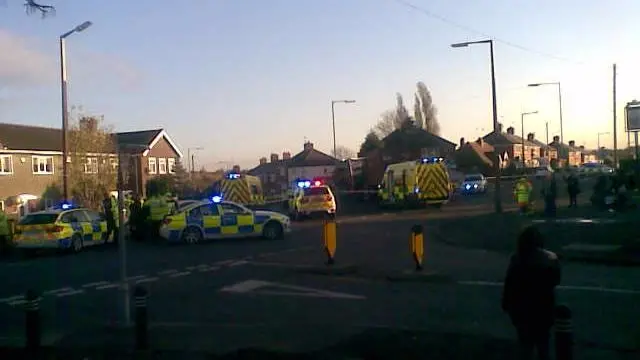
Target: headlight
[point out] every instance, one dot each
(467, 186)
(475, 186)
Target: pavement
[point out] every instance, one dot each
(227, 296)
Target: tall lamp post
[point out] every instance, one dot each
(559, 104)
(497, 165)
(191, 158)
(333, 119)
(65, 110)
(522, 115)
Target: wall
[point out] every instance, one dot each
(160, 151)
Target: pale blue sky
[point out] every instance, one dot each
(244, 78)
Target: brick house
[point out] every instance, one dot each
(568, 154)
(475, 157)
(548, 154)
(31, 161)
(511, 144)
(272, 173)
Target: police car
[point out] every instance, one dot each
(311, 197)
(474, 184)
(65, 227)
(215, 219)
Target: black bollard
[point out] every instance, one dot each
(563, 333)
(32, 321)
(142, 319)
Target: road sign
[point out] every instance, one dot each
(633, 116)
(417, 245)
(270, 288)
(329, 239)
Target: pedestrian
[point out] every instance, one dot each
(108, 210)
(5, 233)
(573, 188)
(135, 215)
(529, 293)
(549, 193)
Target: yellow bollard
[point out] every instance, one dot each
(329, 239)
(417, 245)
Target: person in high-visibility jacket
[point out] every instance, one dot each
(5, 233)
(158, 208)
(522, 193)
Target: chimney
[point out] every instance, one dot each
(274, 157)
(581, 147)
(531, 136)
(499, 127)
(308, 145)
(572, 143)
(236, 168)
(263, 160)
(480, 142)
(510, 130)
(286, 155)
(461, 142)
(556, 139)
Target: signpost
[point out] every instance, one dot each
(632, 113)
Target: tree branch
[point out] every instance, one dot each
(32, 6)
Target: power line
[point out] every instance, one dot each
(478, 32)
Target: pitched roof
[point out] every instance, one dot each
(503, 138)
(312, 157)
(37, 138)
(25, 137)
(478, 150)
(268, 167)
(415, 135)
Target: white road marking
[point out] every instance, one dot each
(238, 263)
(17, 302)
(168, 272)
(289, 290)
(70, 293)
(561, 287)
(147, 280)
(184, 273)
(12, 298)
(224, 262)
(212, 268)
(137, 277)
(57, 291)
(95, 284)
(108, 286)
(190, 268)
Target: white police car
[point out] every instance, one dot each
(474, 184)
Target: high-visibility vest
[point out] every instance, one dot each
(158, 208)
(522, 191)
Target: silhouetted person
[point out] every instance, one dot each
(573, 188)
(529, 293)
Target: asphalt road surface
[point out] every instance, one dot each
(259, 293)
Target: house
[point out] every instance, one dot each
(475, 157)
(509, 146)
(273, 174)
(312, 163)
(567, 154)
(31, 161)
(548, 155)
(406, 143)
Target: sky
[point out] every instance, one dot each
(245, 78)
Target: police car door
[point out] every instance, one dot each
(207, 218)
(235, 220)
(98, 225)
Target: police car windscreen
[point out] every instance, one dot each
(473, 178)
(38, 219)
(316, 191)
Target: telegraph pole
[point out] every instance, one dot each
(615, 119)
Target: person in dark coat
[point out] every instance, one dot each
(573, 188)
(135, 211)
(529, 293)
(108, 210)
(549, 194)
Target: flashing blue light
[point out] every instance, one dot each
(66, 206)
(307, 183)
(467, 186)
(304, 184)
(216, 199)
(233, 176)
(300, 184)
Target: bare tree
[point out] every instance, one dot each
(32, 6)
(429, 111)
(343, 152)
(387, 124)
(401, 111)
(93, 166)
(417, 112)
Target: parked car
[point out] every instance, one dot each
(474, 184)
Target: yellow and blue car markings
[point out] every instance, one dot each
(213, 226)
(37, 236)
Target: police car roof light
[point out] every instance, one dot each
(216, 199)
(233, 176)
(317, 183)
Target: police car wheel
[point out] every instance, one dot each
(272, 231)
(76, 244)
(191, 235)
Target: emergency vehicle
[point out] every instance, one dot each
(421, 182)
(64, 227)
(240, 188)
(216, 218)
(311, 197)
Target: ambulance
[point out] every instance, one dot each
(415, 183)
(240, 188)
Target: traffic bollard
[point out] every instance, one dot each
(32, 321)
(329, 239)
(142, 319)
(563, 333)
(417, 245)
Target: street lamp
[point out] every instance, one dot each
(601, 133)
(497, 198)
(522, 115)
(122, 248)
(333, 119)
(559, 104)
(191, 157)
(65, 111)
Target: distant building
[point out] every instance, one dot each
(509, 146)
(568, 154)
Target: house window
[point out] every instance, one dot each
(171, 164)
(42, 164)
(152, 166)
(6, 164)
(114, 164)
(162, 165)
(91, 165)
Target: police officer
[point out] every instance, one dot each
(110, 210)
(157, 208)
(4, 233)
(522, 193)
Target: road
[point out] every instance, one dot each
(259, 293)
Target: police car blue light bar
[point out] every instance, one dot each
(234, 176)
(216, 199)
(66, 206)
